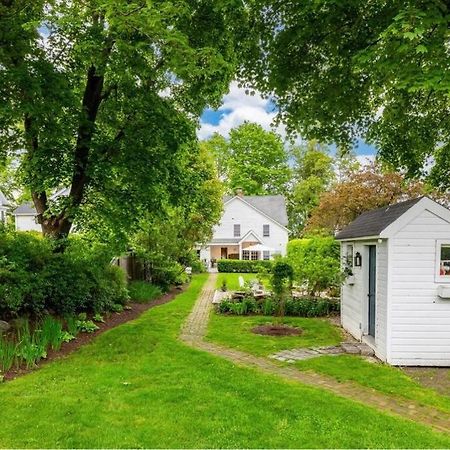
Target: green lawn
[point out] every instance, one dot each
(235, 331)
(380, 377)
(139, 386)
(232, 280)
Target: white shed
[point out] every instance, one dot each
(397, 296)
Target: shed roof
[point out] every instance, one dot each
(273, 206)
(25, 209)
(372, 223)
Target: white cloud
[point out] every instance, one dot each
(365, 160)
(238, 107)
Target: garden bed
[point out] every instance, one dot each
(111, 321)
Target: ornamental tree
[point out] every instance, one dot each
(344, 68)
(102, 97)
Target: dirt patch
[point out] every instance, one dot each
(111, 321)
(277, 330)
(437, 378)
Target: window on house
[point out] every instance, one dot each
(245, 254)
(266, 255)
(237, 230)
(266, 230)
(444, 263)
(254, 256)
(349, 257)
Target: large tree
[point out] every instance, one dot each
(102, 96)
(341, 69)
(312, 173)
(252, 159)
(362, 190)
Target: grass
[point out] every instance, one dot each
(381, 377)
(143, 292)
(235, 331)
(232, 280)
(138, 386)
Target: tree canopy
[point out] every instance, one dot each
(344, 68)
(364, 189)
(252, 159)
(312, 173)
(103, 97)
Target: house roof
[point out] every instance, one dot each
(25, 209)
(225, 241)
(372, 223)
(273, 206)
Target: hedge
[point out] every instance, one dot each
(243, 266)
(35, 280)
(298, 307)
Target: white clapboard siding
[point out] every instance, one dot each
(419, 320)
(250, 219)
(354, 298)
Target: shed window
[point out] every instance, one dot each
(266, 230)
(237, 230)
(444, 265)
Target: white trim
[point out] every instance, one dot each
(388, 301)
(362, 238)
(423, 204)
(25, 214)
(437, 263)
(248, 233)
(256, 209)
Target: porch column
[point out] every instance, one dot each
(240, 250)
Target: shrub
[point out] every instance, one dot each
(242, 266)
(311, 307)
(316, 263)
(7, 354)
(35, 279)
(143, 292)
(302, 307)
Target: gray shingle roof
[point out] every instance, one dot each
(372, 223)
(25, 208)
(273, 206)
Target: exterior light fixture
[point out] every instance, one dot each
(358, 259)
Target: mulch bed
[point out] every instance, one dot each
(277, 330)
(111, 321)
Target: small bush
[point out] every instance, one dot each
(302, 307)
(242, 266)
(7, 354)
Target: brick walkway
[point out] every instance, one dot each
(194, 330)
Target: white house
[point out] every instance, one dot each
(251, 228)
(397, 299)
(5, 207)
(25, 214)
(25, 218)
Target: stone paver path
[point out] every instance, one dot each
(300, 354)
(194, 330)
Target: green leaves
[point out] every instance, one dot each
(342, 70)
(103, 97)
(253, 160)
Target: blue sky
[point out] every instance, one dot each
(238, 107)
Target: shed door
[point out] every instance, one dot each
(372, 287)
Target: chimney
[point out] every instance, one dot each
(239, 192)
